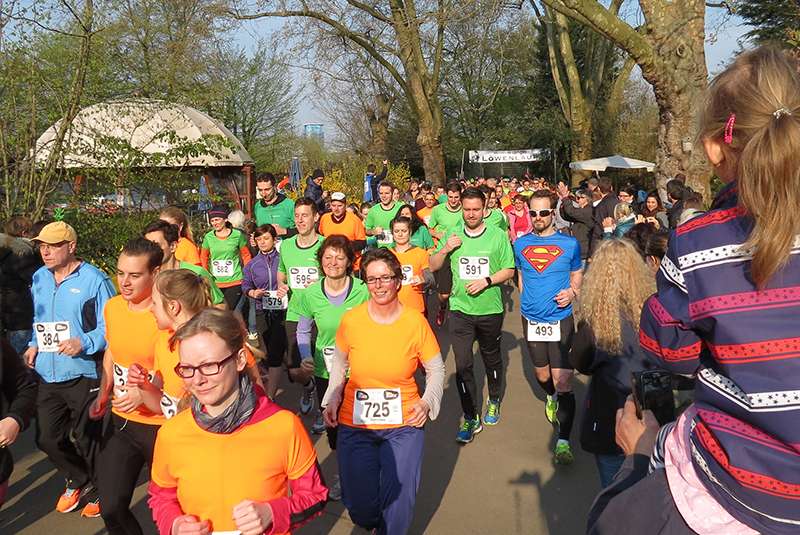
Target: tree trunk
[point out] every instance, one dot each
(580, 146)
(429, 140)
(379, 126)
(678, 75)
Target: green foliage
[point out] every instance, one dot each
(773, 21)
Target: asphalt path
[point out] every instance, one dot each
(504, 482)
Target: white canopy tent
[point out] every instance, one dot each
(150, 126)
(616, 161)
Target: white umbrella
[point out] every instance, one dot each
(617, 161)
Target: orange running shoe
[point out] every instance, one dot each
(68, 501)
(91, 509)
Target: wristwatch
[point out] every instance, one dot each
(488, 281)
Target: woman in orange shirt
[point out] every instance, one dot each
(187, 250)
(414, 263)
(378, 410)
(205, 475)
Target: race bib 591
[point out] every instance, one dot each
(473, 267)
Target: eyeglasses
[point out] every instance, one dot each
(540, 213)
(48, 246)
(386, 279)
(209, 368)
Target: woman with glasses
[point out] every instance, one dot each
(321, 308)
(378, 410)
(205, 475)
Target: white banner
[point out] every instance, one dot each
(506, 156)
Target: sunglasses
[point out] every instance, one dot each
(540, 213)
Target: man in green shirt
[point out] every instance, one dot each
(480, 258)
(273, 208)
(492, 215)
(380, 216)
(166, 236)
(297, 270)
(445, 217)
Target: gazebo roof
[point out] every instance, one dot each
(155, 128)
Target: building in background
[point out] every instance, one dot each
(315, 130)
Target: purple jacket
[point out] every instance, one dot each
(261, 272)
(743, 345)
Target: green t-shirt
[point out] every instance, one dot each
(476, 258)
(444, 220)
(421, 238)
(224, 255)
(301, 268)
(378, 216)
(314, 304)
(497, 219)
(280, 213)
(216, 294)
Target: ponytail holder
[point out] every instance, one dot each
(728, 137)
(781, 111)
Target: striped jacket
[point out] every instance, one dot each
(743, 345)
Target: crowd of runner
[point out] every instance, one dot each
(175, 364)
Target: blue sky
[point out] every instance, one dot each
(723, 37)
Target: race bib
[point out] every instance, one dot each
(271, 301)
(327, 356)
(408, 274)
(300, 277)
(377, 406)
(385, 238)
(121, 375)
(51, 333)
(427, 220)
(222, 268)
(169, 405)
(544, 331)
(473, 267)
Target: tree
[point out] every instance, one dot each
(773, 21)
(396, 29)
(27, 186)
(669, 49)
(582, 62)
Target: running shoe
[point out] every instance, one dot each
(335, 490)
(492, 415)
(307, 399)
(68, 501)
(468, 430)
(319, 425)
(563, 453)
(551, 408)
(91, 509)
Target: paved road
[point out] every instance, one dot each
(503, 483)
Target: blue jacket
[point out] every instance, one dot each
(79, 300)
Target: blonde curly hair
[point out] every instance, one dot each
(617, 283)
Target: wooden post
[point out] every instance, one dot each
(249, 189)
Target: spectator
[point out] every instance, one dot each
(603, 208)
(18, 262)
(606, 344)
(652, 211)
(623, 220)
(676, 191)
(730, 461)
(372, 181)
(314, 189)
(692, 207)
(579, 213)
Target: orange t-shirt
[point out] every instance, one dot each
(186, 251)
(351, 227)
(383, 359)
(164, 363)
(212, 472)
(424, 213)
(131, 336)
(413, 261)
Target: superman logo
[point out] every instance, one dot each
(541, 256)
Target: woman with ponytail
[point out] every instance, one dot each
(726, 313)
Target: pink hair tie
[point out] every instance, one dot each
(728, 137)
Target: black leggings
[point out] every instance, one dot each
(232, 295)
(126, 448)
(270, 323)
(322, 386)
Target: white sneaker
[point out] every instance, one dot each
(307, 399)
(335, 490)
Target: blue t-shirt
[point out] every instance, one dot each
(545, 265)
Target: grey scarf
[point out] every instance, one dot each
(234, 416)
